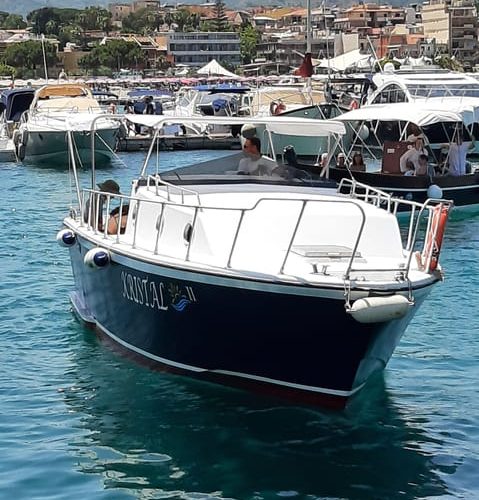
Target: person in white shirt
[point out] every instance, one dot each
(412, 155)
(457, 155)
(254, 163)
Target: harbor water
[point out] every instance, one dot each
(80, 422)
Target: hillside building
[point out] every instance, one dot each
(199, 48)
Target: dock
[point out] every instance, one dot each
(181, 142)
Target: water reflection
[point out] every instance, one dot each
(161, 436)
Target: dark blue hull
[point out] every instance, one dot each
(464, 190)
(289, 341)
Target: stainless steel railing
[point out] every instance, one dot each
(96, 213)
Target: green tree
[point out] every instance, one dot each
(115, 54)
(54, 17)
(220, 20)
(94, 18)
(182, 19)
(29, 55)
(70, 33)
(144, 21)
(136, 22)
(91, 61)
(155, 20)
(6, 70)
(249, 39)
(379, 65)
(14, 22)
(447, 62)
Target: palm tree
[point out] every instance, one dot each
(51, 27)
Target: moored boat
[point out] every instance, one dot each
(42, 135)
(13, 103)
(268, 282)
(383, 133)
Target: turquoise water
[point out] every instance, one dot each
(79, 422)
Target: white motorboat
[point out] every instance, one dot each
(273, 283)
(13, 103)
(418, 84)
(56, 109)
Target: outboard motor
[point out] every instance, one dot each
(290, 156)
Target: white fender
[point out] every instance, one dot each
(66, 238)
(379, 309)
(97, 258)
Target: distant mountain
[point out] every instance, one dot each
(23, 7)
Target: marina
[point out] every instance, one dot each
(110, 428)
(231, 270)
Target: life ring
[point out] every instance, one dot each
(432, 247)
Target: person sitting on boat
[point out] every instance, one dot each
(413, 132)
(411, 170)
(457, 154)
(93, 210)
(280, 108)
(116, 219)
(254, 163)
(358, 164)
(341, 161)
(149, 107)
(277, 107)
(129, 107)
(422, 167)
(413, 154)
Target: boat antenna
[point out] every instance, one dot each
(381, 70)
(326, 34)
(45, 68)
(308, 46)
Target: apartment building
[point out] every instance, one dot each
(198, 48)
(289, 51)
(453, 24)
(360, 17)
(119, 11)
(435, 20)
(463, 24)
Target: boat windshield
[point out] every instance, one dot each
(444, 90)
(231, 169)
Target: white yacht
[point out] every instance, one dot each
(415, 84)
(57, 114)
(269, 283)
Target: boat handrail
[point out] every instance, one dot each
(65, 110)
(159, 181)
(136, 201)
(375, 196)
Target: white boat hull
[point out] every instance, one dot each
(52, 146)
